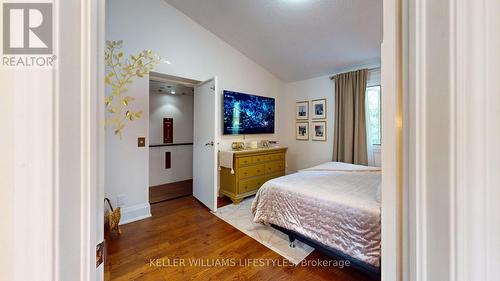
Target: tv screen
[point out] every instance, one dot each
(247, 114)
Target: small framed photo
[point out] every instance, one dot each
(302, 131)
(319, 131)
(319, 109)
(302, 110)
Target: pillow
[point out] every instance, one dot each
(379, 192)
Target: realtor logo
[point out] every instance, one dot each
(27, 35)
(27, 28)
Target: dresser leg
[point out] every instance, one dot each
(236, 201)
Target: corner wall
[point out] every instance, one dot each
(303, 154)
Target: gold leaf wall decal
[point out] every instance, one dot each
(119, 73)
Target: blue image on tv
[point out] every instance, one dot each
(247, 114)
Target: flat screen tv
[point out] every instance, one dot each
(247, 114)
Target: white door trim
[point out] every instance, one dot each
(392, 135)
(51, 141)
(217, 133)
(475, 135)
(416, 189)
(467, 79)
(216, 139)
(92, 135)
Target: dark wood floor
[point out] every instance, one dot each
(183, 229)
(170, 191)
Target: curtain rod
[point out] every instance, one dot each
(369, 69)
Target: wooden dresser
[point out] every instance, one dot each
(252, 168)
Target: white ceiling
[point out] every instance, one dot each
(161, 87)
(295, 39)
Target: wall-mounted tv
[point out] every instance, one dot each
(248, 114)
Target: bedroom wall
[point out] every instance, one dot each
(195, 53)
(303, 154)
(180, 108)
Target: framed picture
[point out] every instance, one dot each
(319, 131)
(302, 131)
(319, 109)
(302, 110)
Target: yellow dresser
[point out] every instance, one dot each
(252, 168)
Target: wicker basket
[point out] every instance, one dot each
(112, 219)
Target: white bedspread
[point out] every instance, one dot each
(333, 203)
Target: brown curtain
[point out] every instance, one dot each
(349, 144)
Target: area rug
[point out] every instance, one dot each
(240, 216)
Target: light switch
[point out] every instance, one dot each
(141, 142)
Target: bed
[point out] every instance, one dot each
(334, 207)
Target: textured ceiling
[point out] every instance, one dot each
(295, 39)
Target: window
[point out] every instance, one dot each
(373, 118)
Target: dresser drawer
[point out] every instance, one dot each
(252, 171)
(250, 184)
(259, 158)
(275, 166)
(275, 156)
(243, 161)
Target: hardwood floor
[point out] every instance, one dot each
(170, 191)
(223, 201)
(182, 230)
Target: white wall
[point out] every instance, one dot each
(195, 53)
(182, 164)
(304, 154)
(180, 108)
(126, 165)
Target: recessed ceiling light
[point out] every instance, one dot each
(172, 92)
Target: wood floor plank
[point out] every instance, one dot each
(183, 229)
(170, 191)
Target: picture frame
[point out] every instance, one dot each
(302, 110)
(318, 109)
(302, 131)
(319, 130)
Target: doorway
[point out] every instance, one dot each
(183, 136)
(171, 106)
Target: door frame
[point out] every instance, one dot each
(72, 250)
(216, 137)
(92, 188)
(159, 76)
(454, 213)
(392, 155)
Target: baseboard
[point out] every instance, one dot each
(135, 213)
